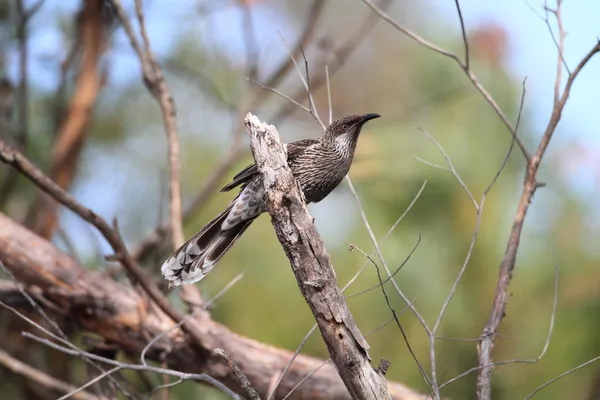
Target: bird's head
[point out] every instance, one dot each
(345, 131)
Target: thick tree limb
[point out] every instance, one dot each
(126, 319)
(312, 266)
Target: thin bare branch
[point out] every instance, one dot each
(329, 95)
(80, 389)
(546, 19)
(464, 66)
(246, 385)
(464, 34)
(386, 280)
(509, 259)
(452, 169)
(46, 381)
(382, 260)
(236, 151)
(252, 54)
(419, 159)
(51, 322)
(273, 390)
(585, 364)
(277, 92)
(522, 361)
(478, 222)
(155, 82)
(135, 367)
(424, 375)
(342, 54)
(193, 314)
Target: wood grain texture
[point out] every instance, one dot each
(312, 266)
(123, 317)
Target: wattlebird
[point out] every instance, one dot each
(319, 165)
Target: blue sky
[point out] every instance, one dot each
(532, 54)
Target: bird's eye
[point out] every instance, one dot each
(344, 126)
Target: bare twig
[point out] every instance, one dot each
(424, 375)
(465, 66)
(158, 88)
(193, 314)
(508, 261)
(451, 166)
(23, 165)
(246, 385)
(479, 208)
(279, 93)
(48, 382)
(236, 150)
(382, 259)
(250, 39)
(328, 94)
(546, 19)
(521, 361)
(585, 364)
(386, 280)
(59, 332)
(464, 34)
(136, 367)
(342, 54)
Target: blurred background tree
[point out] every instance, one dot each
(208, 48)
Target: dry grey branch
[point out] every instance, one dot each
(48, 382)
(465, 66)
(312, 266)
(246, 385)
(507, 264)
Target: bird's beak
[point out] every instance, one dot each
(368, 117)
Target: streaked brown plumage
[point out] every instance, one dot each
(319, 165)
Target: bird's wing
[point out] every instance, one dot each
(294, 149)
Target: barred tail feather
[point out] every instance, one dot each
(196, 257)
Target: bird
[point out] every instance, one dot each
(318, 165)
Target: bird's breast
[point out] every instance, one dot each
(319, 173)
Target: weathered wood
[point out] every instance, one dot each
(312, 266)
(125, 318)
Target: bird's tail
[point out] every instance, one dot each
(196, 257)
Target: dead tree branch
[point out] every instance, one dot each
(123, 317)
(48, 382)
(507, 265)
(464, 65)
(312, 266)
